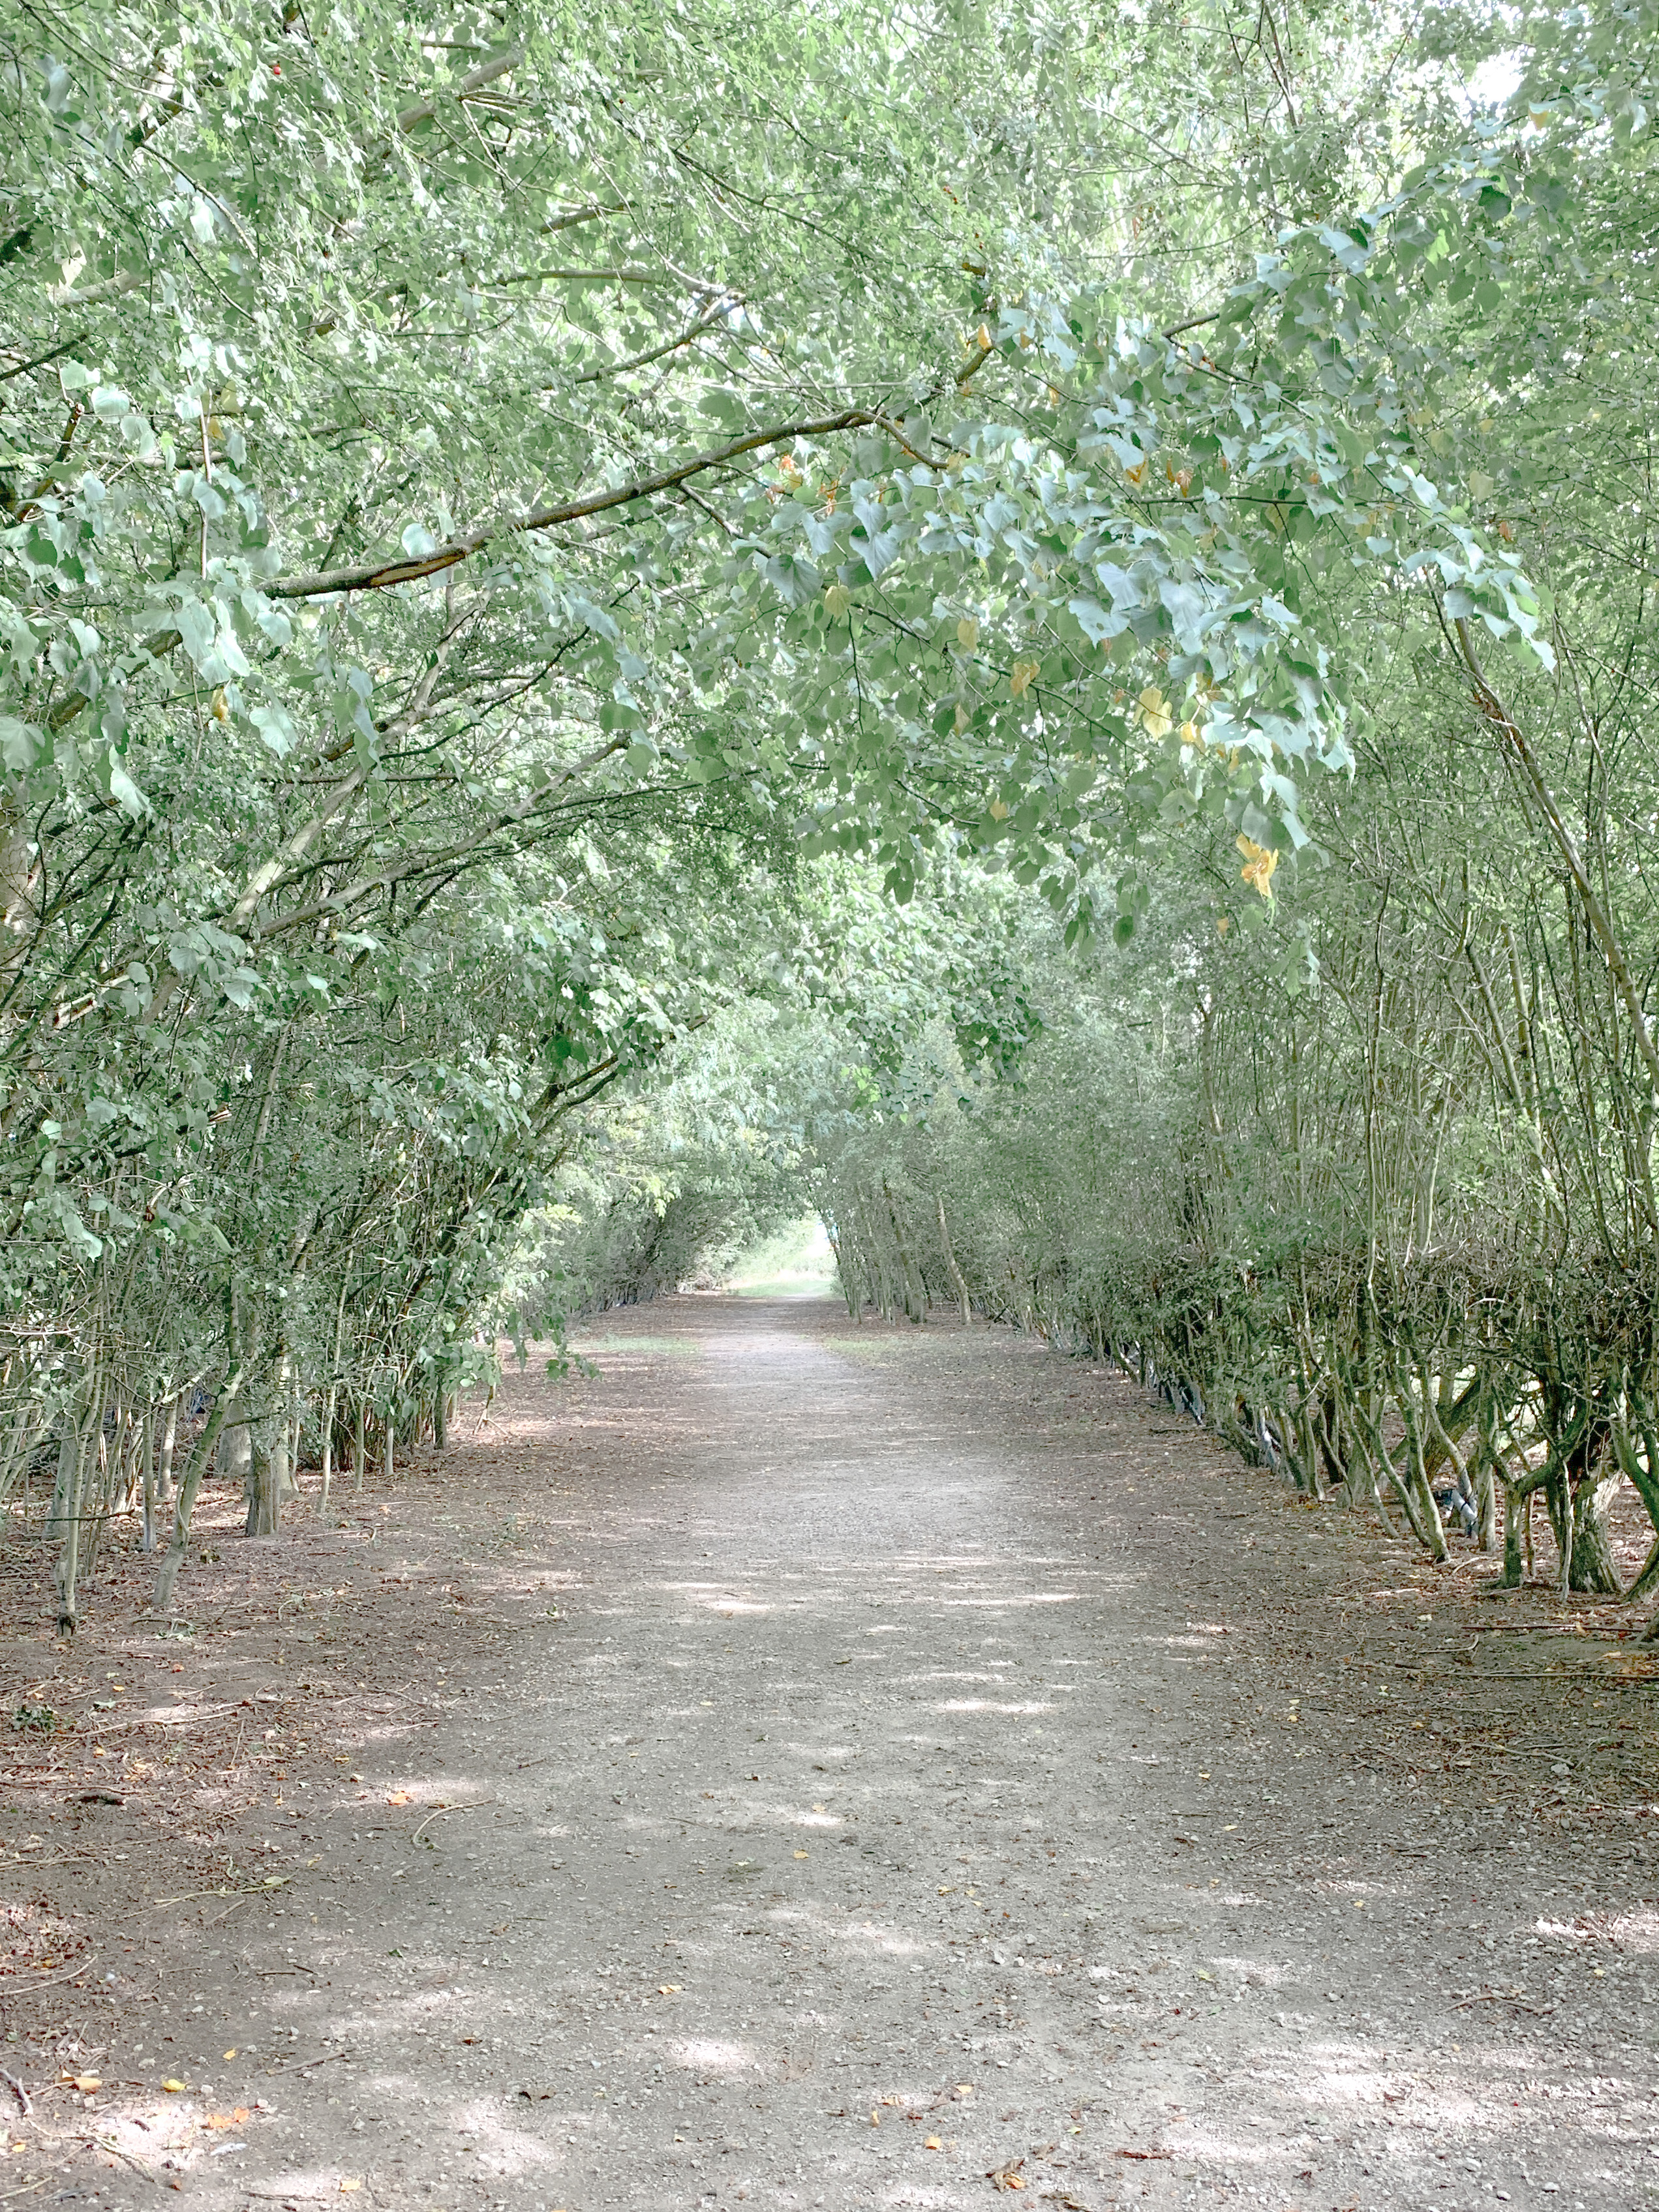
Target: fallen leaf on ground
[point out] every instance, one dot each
(171, 2088)
(398, 1797)
(84, 2082)
(933, 2143)
(346, 2187)
(236, 2119)
(668, 1988)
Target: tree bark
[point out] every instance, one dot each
(956, 1276)
(184, 1503)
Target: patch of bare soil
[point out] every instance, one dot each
(807, 1765)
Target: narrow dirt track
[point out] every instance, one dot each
(947, 1774)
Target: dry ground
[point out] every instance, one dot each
(811, 1766)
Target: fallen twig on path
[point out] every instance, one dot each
(475, 1806)
(247, 1889)
(1527, 1628)
(70, 1974)
(17, 2091)
(304, 2065)
(1497, 1996)
(116, 2151)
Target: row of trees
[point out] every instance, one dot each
(507, 519)
(1389, 1226)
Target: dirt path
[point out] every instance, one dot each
(946, 1773)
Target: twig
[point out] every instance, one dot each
(17, 2091)
(477, 1805)
(304, 2065)
(247, 1889)
(1525, 1628)
(28, 2190)
(73, 1974)
(116, 2151)
(1497, 1996)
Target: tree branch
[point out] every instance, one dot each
(1600, 924)
(375, 576)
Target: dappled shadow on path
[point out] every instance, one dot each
(917, 1798)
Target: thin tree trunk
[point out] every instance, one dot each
(328, 1449)
(164, 1464)
(956, 1276)
(147, 1456)
(269, 1478)
(184, 1503)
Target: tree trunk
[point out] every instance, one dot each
(184, 1503)
(147, 1470)
(328, 1451)
(1517, 1503)
(164, 1463)
(1417, 1479)
(269, 1474)
(916, 1295)
(1592, 1568)
(77, 1453)
(956, 1276)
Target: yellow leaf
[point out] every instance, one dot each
(836, 601)
(86, 2083)
(1259, 865)
(1023, 675)
(230, 2054)
(999, 811)
(933, 2143)
(801, 1855)
(398, 1797)
(1223, 923)
(173, 2088)
(668, 1988)
(967, 633)
(1155, 712)
(1189, 734)
(346, 2187)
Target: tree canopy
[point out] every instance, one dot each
(618, 622)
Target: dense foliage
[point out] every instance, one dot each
(516, 520)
